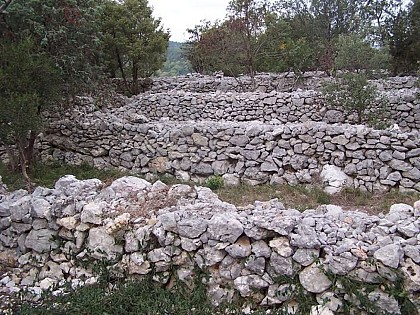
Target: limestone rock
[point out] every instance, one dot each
(334, 179)
(314, 280)
(241, 248)
(225, 228)
(390, 255)
(41, 241)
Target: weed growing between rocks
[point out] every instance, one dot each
(371, 298)
(215, 182)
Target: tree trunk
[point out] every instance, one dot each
(24, 165)
(121, 65)
(29, 150)
(135, 74)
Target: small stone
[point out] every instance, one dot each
(281, 246)
(241, 248)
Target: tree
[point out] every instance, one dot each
(29, 83)
(134, 41)
(322, 22)
(48, 52)
(356, 54)
(280, 51)
(217, 47)
(248, 20)
(404, 39)
(65, 30)
(4, 5)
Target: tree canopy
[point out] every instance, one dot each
(300, 35)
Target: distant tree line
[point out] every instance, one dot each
(176, 63)
(301, 35)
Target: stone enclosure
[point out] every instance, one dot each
(194, 127)
(198, 126)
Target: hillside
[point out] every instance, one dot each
(176, 63)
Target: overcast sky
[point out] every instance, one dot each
(178, 15)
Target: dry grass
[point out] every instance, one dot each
(303, 198)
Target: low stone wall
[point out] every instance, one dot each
(300, 106)
(264, 252)
(256, 153)
(264, 82)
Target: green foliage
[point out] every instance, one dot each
(356, 54)
(65, 30)
(133, 41)
(404, 39)
(280, 51)
(216, 47)
(176, 63)
(358, 293)
(232, 46)
(29, 83)
(127, 297)
(355, 95)
(215, 182)
(302, 35)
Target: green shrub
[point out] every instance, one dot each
(353, 94)
(215, 182)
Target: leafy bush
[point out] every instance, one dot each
(215, 182)
(355, 95)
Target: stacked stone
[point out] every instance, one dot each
(256, 153)
(45, 235)
(263, 82)
(275, 107)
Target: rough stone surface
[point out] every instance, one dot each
(314, 280)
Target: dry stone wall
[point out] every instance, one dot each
(264, 82)
(275, 107)
(263, 252)
(253, 137)
(255, 153)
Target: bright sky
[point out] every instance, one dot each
(178, 15)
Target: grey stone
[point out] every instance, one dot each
(314, 280)
(41, 241)
(200, 140)
(343, 263)
(281, 265)
(100, 242)
(333, 178)
(385, 302)
(389, 255)
(281, 246)
(306, 256)
(20, 208)
(92, 213)
(261, 249)
(231, 180)
(191, 228)
(241, 248)
(240, 140)
(246, 284)
(255, 264)
(225, 228)
(400, 165)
